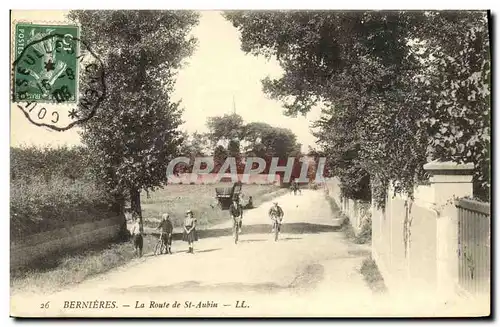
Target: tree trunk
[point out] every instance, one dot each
(118, 208)
(135, 203)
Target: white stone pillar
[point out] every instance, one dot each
(449, 181)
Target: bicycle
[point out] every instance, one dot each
(276, 227)
(160, 246)
(236, 228)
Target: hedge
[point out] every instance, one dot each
(51, 189)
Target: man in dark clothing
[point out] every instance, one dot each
(236, 210)
(276, 214)
(295, 187)
(166, 229)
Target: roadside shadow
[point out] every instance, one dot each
(207, 250)
(251, 241)
(162, 254)
(180, 251)
(290, 238)
(287, 228)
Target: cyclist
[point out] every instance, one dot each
(236, 210)
(166, 229)
(276, 214)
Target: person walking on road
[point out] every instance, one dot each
(137, 232)
(296, 187)
(190, 234)
(166, 229)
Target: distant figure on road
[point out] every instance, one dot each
(276, 214)
(249, 204)
(190, 235)
(166, 229)
(295, 187)
(137, 232)
(236, 210)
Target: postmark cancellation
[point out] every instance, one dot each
(57, 79)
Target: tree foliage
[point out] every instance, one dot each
(255, 139)
(272, 141)
(135, 132)
(398, 88)
(225, 128)
(192, 146)
(48, 163)
(53, 188)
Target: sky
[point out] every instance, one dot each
(213, 76)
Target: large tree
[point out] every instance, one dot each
(270, 140)
(399, 88)
(135, 132)
(225, 128)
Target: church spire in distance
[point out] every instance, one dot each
(234, 106)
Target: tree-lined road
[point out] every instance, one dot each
(311, 271)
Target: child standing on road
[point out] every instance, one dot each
(190, 235)
(137, 231)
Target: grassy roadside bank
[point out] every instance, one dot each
(363, 237)
(67, 269)
(72, 268)
(369, 269)
(372, 276)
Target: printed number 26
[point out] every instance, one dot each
(45, 305)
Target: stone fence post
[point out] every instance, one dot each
(449, 181)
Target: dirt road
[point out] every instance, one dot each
(311, 271)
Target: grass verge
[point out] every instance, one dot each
(372, 276)
(65, 269)
(363, 237)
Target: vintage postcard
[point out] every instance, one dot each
(178, 163)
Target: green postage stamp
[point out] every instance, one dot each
(46, 69)
(57, 79)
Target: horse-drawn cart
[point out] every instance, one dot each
(225, 195)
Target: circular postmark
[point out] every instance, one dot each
(58, 81)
